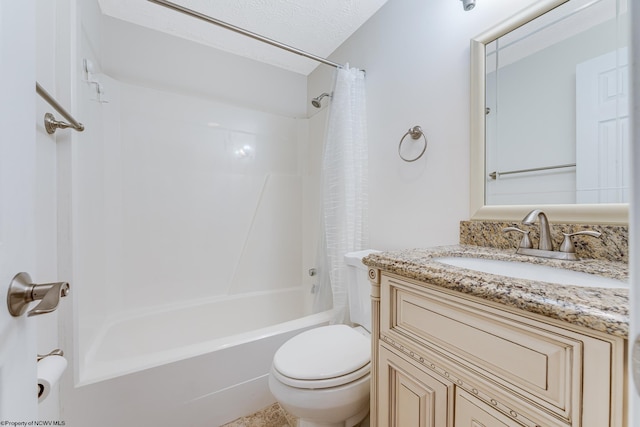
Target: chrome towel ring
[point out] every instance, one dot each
(415, 132)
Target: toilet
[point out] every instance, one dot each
(322, 376)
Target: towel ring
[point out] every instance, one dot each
(416, 133)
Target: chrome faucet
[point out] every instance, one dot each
(545, 243)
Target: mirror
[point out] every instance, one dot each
(550, 113)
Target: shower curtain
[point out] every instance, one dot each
(344, 191)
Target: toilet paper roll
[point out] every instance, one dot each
(50, 370)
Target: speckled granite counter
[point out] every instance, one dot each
(604, 310)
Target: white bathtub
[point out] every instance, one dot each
(202, 364)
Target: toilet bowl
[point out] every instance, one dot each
(322, 376)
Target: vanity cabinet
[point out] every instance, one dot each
(445, 358)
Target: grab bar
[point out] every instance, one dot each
(50, 123)
(496, 174)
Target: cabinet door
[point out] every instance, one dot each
(411, 397)
(471, 412)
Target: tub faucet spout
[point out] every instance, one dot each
(545, 243)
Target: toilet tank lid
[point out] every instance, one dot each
(355, 258)
(324, 352)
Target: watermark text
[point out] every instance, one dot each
(5, 423)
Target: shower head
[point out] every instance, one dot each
(316, 101)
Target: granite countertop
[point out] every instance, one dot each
(601, 309)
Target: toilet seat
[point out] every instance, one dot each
(323, 357)
(326, 383)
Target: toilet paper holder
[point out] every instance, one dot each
(50, 368)
(56, 352)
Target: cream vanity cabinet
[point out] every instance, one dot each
(446, 359)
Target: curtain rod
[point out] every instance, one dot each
(242, 31)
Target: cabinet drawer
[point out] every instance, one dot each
(540, 365)
(470, 412)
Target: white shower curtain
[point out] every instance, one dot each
(344, 190)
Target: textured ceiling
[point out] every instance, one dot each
(315, 26)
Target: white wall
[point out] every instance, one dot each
(150, 58)
(416, 54)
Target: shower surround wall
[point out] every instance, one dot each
(182, 200)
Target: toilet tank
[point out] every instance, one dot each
(359, 288)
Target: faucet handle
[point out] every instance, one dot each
(567, 243)
(526, 241)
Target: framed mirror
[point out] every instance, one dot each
(550, 114)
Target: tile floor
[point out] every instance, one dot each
(271, 416)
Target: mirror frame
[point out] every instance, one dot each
(610, 213)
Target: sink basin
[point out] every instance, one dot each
(543, 273)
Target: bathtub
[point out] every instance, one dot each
(201, 364)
